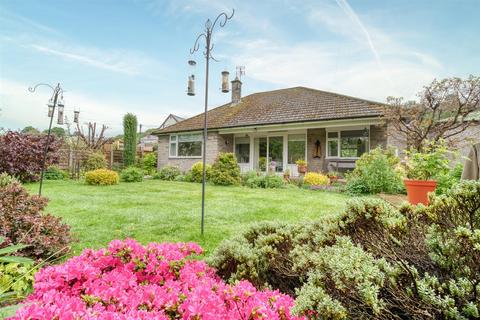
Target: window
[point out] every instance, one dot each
(186, 145)
(347, 144)
(242, 149)
(296, 148)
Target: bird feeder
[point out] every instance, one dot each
(60, 112)
(75, 116)
(191, 78)
(50, 108)
(225, 82)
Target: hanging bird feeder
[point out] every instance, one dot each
(50, 108)
(61, 106)
(225, 82)
(191, 78)
(76, 115)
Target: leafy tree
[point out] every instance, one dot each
(440, 113)
(130, 139)
(30, 130)
(21, 155)
(57, 131)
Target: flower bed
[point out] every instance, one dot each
(159, 281)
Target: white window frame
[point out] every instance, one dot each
(174, 139)
(338, 139)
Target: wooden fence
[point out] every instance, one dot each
(72, 160)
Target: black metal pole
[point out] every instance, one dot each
(204, 155)
(45, 151)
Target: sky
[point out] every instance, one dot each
(117, 56)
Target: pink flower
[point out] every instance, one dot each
(129, 281)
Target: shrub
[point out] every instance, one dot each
(94, 161)
(101, 177)
(16, 282)
(196, 172)
(429, 163)
(21, 155)
(129, 139)
(376, 172)
(132, 174)
(55, 173)
(225, 170)
(168, 173)
(273, 181)
(447, 180)
(315, 179)
(6, 179)
(150, 162)
(159, 281)
(372, 261)
(180, 178)
(22, 220)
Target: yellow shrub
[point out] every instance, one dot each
(101, 177)
(315, 179)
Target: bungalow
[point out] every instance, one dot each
(272, 130)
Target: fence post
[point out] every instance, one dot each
(111, 158)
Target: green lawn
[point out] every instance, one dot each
(158, 211)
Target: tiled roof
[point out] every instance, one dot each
(298, 104)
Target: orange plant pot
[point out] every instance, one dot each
(417, 190)
(302, 169)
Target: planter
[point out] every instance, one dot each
(302, 169)
(417, 190)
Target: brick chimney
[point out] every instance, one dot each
(236, 90)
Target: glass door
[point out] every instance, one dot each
(275, 154)
(260, 154)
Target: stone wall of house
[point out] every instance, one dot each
(215, 143)
(378, 136)
(314, 163)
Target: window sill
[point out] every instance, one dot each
(196, 157)
(340, 158)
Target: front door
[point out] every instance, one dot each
(275, 154)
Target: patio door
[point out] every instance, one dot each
(268, 154)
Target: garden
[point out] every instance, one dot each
(125, 243)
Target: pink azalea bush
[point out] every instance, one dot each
(158, 282)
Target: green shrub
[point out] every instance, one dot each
(168, 173)
(149, 164)
(101, 177)
(132, 174)
(196, 172)
(55, 173)
(449, 179)
(6, 179)
(129, 139)
(180, 178)
(373, 261)
(376, 172)
(94, 161)
(16, 281)
(273, 181)
(225, 170)
(428, 164)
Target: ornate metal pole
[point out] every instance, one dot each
(56, 91)
(222, 19)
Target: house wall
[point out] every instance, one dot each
(316, 164)
(215, 144)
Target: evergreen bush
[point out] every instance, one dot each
(168, 173)
(149, 164)
(55, 173)
(196, 172)
(225, 170)
(374, 261)
(129, 139)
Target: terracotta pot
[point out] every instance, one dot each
(417, 190)
(302, 169)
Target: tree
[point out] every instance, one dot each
(57, 131)
(441, 112)
(21, 155)
(30, 130)
(129, 139)
(92, 140)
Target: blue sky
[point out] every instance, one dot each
(118, 56)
